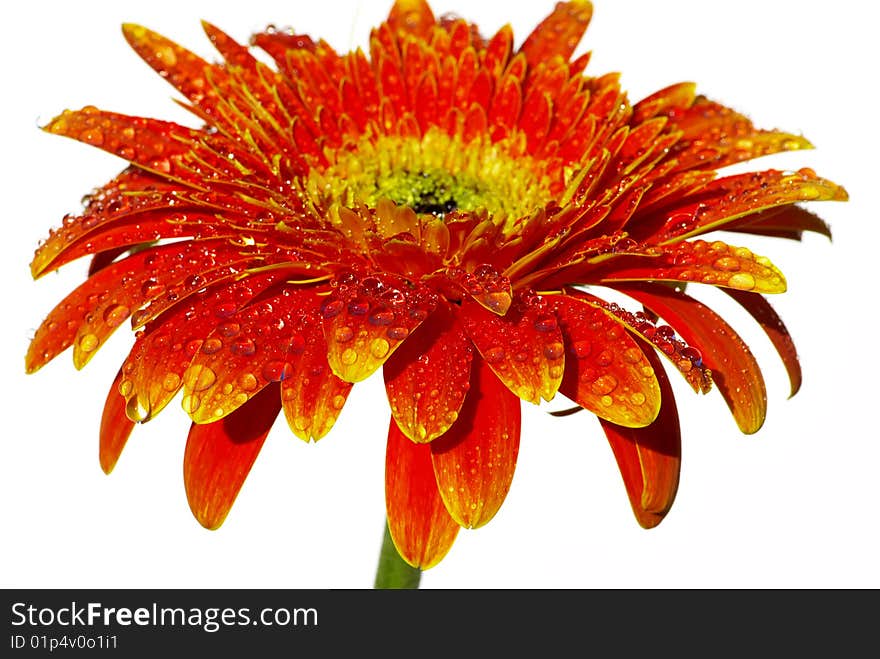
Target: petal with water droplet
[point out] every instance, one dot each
(420, 526)
(365, 322)
(115, 427)
(649, 458)
(734, 369)
(428, 377)
(605, 370)
(219, 456)
(313, 396)
(524, 348)
(474, 461)
(559, 33)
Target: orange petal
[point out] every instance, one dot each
(733, 197)
(187, 72)
(412, 17)
(649, 458)
(313, 396)
(734, 369)
(365, 321)
(428, 377)
(258, 345)
(715, 263)
(475, 460)
(421, 528)
(606, 371)
(115, 427)
(158, 361)
(759, 308)
(219, 456)
(151, 144)
(524, 347)
(559, 33)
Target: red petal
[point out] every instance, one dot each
(559, 33)
(420, 526)
(152, 144)
(783, 222)
(428, 377)
(365, 322)
(715, 263)
(606, 370)
(254, 347)
(312, 397)
(115, 427)
(524, 347)
(475, 460)
(220, 455)
(772, 324)
(734, 369)
(649, 458)
(157, 364)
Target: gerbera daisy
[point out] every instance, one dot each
(464, 215)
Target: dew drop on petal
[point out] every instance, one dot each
(379, 348)
(212, 345)
(727, 263)
(343, 334)
(135, 411)
(276, 370)
(742, 281)
(126, 387)
(604, 384)
(494, 355)
(199, 377)
(115, 314)
(348, 357)
(247, 382)
(638, 398)
(171, 382)
(554, 350)
(581, 349)
(338, 401)
(243, 347)
(190, 403)
(88, 342)
(397, 333)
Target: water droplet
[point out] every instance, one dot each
(126, 387)
(338, 401)
(248, 382)
(581, 349)
(348, 357)
(151, 288)
(343, 334)
(379, 348)
(135, 411)
(397, 333)
(88, 342)
(605, 358)
(382, 318)
(332, 308)
(229, 329)
(494, 355)
(358, 307)
(190, 403)
(243, 347)
(607, 401)
(638, 398)
(604, 384)
(171, 382)
(199, 377)
(727, 263)
(742, 281)
(554, 350)
(632, 355)
(302, 423)
(212, 345)
(225, 310)
(115, 314)
(276, 370)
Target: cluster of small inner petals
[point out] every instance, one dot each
(447, 209)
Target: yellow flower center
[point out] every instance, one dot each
(433, 175)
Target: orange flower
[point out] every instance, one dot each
(449, 209)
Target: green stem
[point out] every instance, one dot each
(393, 571)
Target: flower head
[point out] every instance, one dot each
(449, 209)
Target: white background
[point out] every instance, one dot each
(791, 507)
